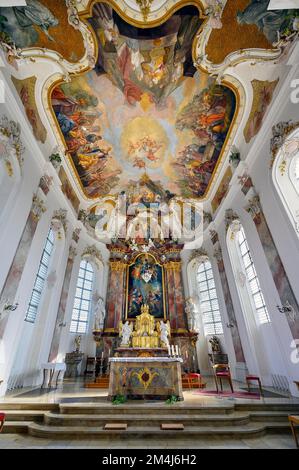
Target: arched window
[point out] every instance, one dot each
(208, 299)
(286, 177)
(252, 278)
(82, 302)
(40, 278)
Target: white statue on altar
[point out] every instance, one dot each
(99, 314)
(164, 333)
(125, 331)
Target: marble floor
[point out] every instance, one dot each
(73, 391)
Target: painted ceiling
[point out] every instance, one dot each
(144, 108)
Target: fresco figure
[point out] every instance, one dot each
(23, 22)
(270, 22)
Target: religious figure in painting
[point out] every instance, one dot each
(208, 116)
(23, 22)
(145, 286)
(270, 22)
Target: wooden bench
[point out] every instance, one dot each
(294, 420)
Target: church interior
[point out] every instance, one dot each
(149, 224)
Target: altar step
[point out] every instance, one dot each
(86, 420)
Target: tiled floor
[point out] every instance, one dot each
(16, 441)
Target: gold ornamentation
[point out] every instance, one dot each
(145, 8)
(117, 266)
(145, 334)
(38, 207)
(145, 376)
(173, 265)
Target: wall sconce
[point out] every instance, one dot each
(285, 308)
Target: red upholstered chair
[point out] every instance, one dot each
(2, 419)
(222, 371)
(250, 378)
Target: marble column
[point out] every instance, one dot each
(229, 307)
(13, 278)
(279, 274)
(175, 295)
(62, 304)
(116, 295)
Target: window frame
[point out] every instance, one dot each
(83, 297)
(256, 292)
(40, 278)
(214, 326)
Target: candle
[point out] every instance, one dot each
(176, 350)
(186, 354)
(102, 354)
(109, 353)
(168, 350)
(172, 350)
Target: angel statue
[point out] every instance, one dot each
(164, 330)
(99, 314)
(125, 331)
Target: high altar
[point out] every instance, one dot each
(145, 291)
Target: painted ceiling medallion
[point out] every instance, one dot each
(145, 8)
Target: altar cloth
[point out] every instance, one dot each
(145, 377)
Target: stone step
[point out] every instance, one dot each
(28, 406)
(87, 432)
(142, 420)
(16, 427)
(24, 415)
(289, 407)
(269, 416)
(148, 409)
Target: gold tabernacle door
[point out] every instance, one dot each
(145, 334)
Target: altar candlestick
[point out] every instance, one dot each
(172, 350)
(169, 353)
(109, 353)
(176, 350)
(102, 355)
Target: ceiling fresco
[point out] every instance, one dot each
(144, 109)
(42, 24)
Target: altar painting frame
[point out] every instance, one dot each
(164, 315)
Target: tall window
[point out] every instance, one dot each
(40, 278)
(82, 303)
(253, 281)
(286, 177)
(208, 300)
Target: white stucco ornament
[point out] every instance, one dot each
(11, 147)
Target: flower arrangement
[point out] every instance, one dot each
(55, 159)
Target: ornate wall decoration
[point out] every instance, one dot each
(280, 133)
(11, 146)
(200, 255)
(230, 216)
(145, 8)
(38, 207)
(222, 189)
(93, 254)
(59, 221)
(26, 91)
(45, 183)
(262, 96)
(76, 235)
